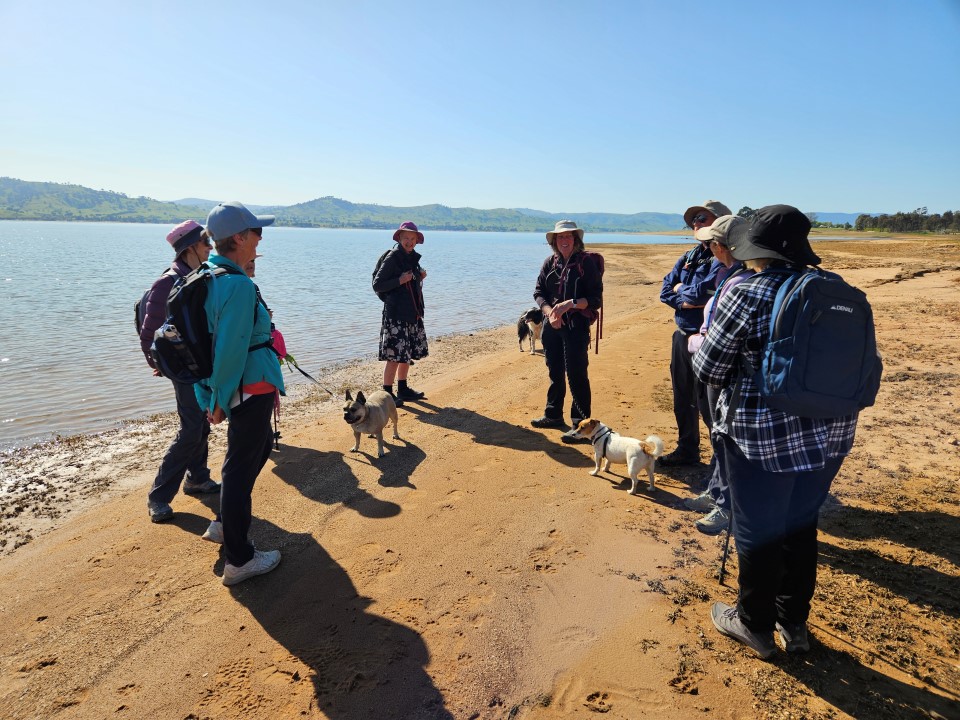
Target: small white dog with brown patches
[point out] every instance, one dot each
(636, 454)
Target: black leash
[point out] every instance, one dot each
(306, 374)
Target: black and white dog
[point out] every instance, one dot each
(529, 326)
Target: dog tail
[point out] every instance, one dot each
(522, 329)
(653, 446)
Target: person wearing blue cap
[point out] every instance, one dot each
(246, 377)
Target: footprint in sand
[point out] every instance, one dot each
(598, 702)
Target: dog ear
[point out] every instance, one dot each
(349, 399)
(360, 398)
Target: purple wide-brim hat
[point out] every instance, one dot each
(408, 226)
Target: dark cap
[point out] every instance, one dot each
(777, 232)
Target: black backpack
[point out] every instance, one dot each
(140, 306)
(821, 359)
(376, 269)
(182, 347)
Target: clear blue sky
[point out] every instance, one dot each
(620, 106)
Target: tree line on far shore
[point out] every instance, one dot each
(918, 221)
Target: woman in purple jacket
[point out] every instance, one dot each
(187, 454)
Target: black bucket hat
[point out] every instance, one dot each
(778, 232)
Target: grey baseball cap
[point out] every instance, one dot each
(230, 218)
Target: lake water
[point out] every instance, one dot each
(70, 359)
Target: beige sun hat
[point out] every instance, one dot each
(714, 207)
(563, 226)
(720, 230)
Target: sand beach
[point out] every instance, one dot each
(477, 570)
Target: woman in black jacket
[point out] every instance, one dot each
(398, 281)
(569, 292)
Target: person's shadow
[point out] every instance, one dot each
(327, 478)
(859, 691)
(361, 665)
(488, 431)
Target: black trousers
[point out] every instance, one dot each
(188, 451)
(775, 525)
(689, 397)
(249, 439)
(567, 353)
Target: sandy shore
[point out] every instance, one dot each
(477, 570)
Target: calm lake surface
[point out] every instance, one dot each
(70, 359)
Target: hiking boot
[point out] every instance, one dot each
(702, 503)
(677, 458)
(715, 522)
(396, 401)
(159, 512)
(408, 393)
(794, 637)
(727, 620)
(214, 533)
(548, 422)
(205, 488)
(570, 438)
(263, 561)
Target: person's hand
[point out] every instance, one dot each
(406, 277)
(423, 273)
(676, 288)
(156, 373)
(217, 416)
(555, 316)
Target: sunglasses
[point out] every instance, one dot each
(256, 231)
(701, 218)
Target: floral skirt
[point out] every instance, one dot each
(401, 341)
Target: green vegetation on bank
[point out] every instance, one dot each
(918, 221)
(23, 200)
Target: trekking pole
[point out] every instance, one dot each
(726, 548)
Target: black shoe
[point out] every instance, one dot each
(159, 511)
(409, 394)
(676, 458)
(571, 439)
(548, 422)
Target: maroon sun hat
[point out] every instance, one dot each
(408, 226)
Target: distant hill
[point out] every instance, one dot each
(205, 205)
(838, 218)
(23, 200)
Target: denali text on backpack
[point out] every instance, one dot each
(182, 347)
(821, 360)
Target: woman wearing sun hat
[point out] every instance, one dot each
(398, 279)
(779, 466)
(186, 458)
(569, 288)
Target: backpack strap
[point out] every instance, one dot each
(746, 368)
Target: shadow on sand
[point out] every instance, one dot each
(362, 665)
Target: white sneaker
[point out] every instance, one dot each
(715, 523)
(702, 503)
(263, 561)
(214, 533)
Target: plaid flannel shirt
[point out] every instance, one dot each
(775, 440)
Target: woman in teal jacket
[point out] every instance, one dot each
(242, 387)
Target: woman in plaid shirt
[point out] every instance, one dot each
(779, 466)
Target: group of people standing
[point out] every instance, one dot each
(246, 379)
(769, 472)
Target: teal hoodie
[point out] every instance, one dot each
(235, 327)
